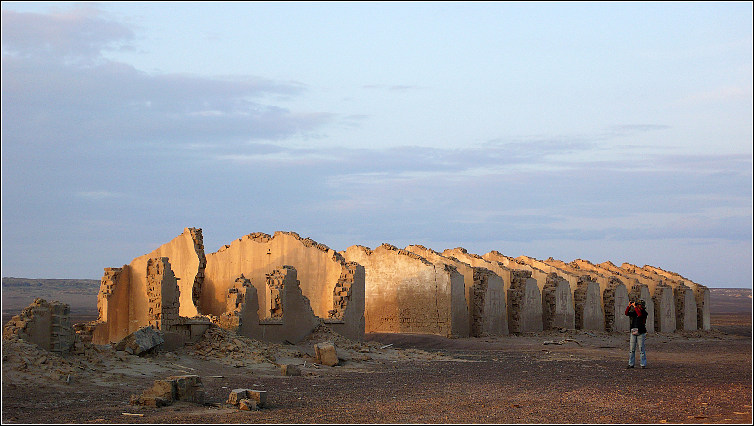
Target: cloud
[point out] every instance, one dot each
(91, 100)
(79, 35)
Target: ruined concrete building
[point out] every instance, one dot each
(281, 287)
(264, 286)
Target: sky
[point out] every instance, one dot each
(614, 132)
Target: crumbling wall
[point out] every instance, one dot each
(325, 279)
(488, 310)
(162, 293)
(664, 308)
(461, 312)
(113, 306)
(701, 295)
(587, 306)
(45, 324)
(615, 299)
(406, 293)
(685, 308)
(187, 261)
(288, 316)
(557, 304)
(524, 303)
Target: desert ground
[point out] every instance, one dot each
(568, 376)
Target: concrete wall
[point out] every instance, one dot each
(460, 312)
(557, 298)
(406, 293)
(557, 304)
(45, 324)
(187, 261)
(614, 292)
(333, 287)
(588, 308)
(288, 316)
(528, 299)
(701, 295)
(488, 309)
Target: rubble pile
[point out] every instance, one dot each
(235, 350)
(35, 363)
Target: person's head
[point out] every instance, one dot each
(640, 303)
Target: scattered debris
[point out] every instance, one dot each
(247, 399)
(176, 388)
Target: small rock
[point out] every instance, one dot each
(326, 354)
(290, 370)
(247, 405)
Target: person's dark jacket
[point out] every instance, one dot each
(638, 317)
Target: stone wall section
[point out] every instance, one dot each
(524, 303)
(615, 298)
(406, 293)
(588, 308)
(45, 324)
(488, 310)
(685, 308)
(460, 312)
(557, 304)
(163, 294)
(701, 295)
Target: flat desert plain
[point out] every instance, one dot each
(572, 376)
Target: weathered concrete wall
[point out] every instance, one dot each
(460, 313)
(587, 298)
(162, 294)
(406, 293)
(488, 310)
(187, 261)
(557, 304)
(588, 308)
(615, 299)
(557, 297)
(664, 306)
(45, 324)
(288, 315)
(701, 295)
(497, 268)
(333, 288)
(685, 308)
(524, 303)
(613, 290)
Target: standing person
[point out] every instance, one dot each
(638, 314)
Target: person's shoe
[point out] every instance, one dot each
(629, 366)
(643, 366)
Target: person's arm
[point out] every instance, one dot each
(639, 311)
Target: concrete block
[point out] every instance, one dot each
(326, 354)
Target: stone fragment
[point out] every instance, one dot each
(141, 341)
(259, 396)
(189, 388)
(326, 354)
(248, 405)
(236, 395)
(290, 370)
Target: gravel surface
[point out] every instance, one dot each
(551, 377)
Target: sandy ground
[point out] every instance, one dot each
(550, 377)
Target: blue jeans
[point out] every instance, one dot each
(632, 349)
